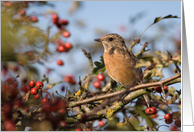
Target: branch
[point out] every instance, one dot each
(143, 48)
(166, 82)
(88, 55)
(133, 43)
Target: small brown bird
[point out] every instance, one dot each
(119, 61)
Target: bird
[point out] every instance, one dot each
(119, 61)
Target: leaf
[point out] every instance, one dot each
(97, 63)
(74, 7)
(45, 79)
(176, 114)
(100, 66)
(157, 19)
(53, 84)
(170, 16)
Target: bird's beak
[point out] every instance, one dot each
(98, 40)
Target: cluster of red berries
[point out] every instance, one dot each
(151, 111)
(31, 87)
(33, 18)
(59, 22)
(97, 83)
(69, 79)
(63, 47)
(159, 89)
(39, 85)
(55, 105)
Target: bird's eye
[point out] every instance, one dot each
(110, 39)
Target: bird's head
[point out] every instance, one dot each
(111, 40)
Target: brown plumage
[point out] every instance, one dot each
(119, 61)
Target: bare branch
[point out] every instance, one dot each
(88, 55)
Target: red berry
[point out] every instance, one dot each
(101, 123)
(174, 128)
(63, 22)
(22, 12)
(158, 89)
(62, 88)
(8, 3)
(60, 62)
(55, 16)
(32, 83)
(147, 111)
(69, 79)
(169, 121)
(66, 34)
(34, 91)
(177, 123)
(61, 48)
(168, 116)
(73, 81)
(165, 89)
(7, 107)
(62, 123)
(62, 104)
(25, 88)
(151, 111)
(9, 125)
(78, 129)
(45, 100)
(96, 84)
(154, 116)
(54, 21)
(34, 19)
(36, 96)
(100, 77)
(61, 111)
(84, 118)
(68, 45)
(88, 129)
(59, 41)
(39, 84)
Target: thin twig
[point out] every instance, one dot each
(88, 55)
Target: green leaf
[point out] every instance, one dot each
(53, 84)
(170, 16)
(97, 63)
(157, 19)
(101, 59)
(100, 66)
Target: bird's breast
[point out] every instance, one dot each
(120, 66)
